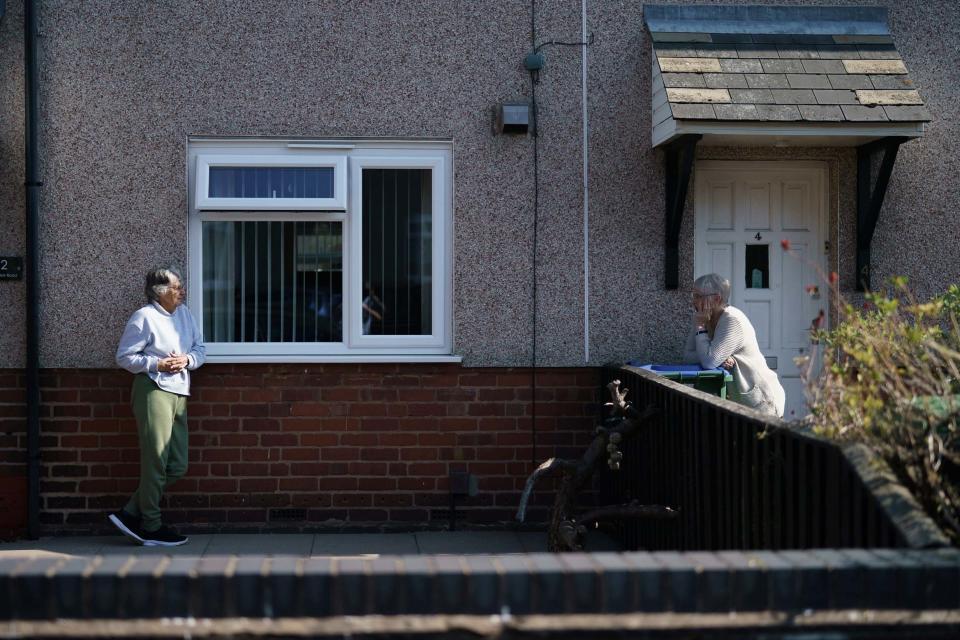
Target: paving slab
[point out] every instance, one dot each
(595, 542)
(533, 541)
(365, 545)
(361, 545)
(195, 546)
(469, 542)
(73, 546)
(268, 544)
(99, 546)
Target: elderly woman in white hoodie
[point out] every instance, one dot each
(722, 336)
(161, 345)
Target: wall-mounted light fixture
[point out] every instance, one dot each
(534, 63)
(511, 118)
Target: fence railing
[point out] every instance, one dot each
(742, 481)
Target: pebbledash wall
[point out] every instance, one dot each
(125, 85)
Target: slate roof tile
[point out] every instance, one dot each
(808, 81)
(689, 65)
(823, 66)
(873, 66)
(798, 51)
(793, 96)
(685, 80)
(878, 52)
(857, 113)
(766, 80)
(891, 82)
(849, 81)
(674, 50)
(778, 112)
(716, 51)
(757, 51)
(698, 95)
(683, 111)
(835, 96)
(752, 96)
(741, 66)
(725, 80)
(838, 51)
(782, 66)
(820, 113)
(911, 113)
(736, 111)
(885, 96)
(782, 77)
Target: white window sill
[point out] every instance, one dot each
(355, 359)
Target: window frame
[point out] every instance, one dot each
(337, 162)
(436, 156)
(354, 333)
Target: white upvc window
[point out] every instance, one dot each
(291, 181)
(300, 252)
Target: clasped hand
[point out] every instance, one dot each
(175, 363)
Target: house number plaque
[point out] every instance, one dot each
(11, 268)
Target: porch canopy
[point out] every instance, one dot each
(779, 75)
(782, 76)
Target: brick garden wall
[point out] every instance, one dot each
(285, 446)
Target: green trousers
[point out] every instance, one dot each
(162, 427)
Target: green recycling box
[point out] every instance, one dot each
(713, 381)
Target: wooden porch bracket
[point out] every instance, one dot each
(678, 158)
(870, 200)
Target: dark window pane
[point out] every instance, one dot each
(758, 266)
(271, 182)
(272, 281)
(397, 252)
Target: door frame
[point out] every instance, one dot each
(823, 258)
(822, 167)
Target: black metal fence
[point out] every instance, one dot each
(738, 481)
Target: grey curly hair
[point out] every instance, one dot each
(714, 283)
(158, 281)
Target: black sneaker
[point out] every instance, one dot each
(162, 537)
(128, 524)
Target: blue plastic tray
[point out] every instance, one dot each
(683, 371)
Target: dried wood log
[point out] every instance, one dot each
(630, 510)
(565, 532)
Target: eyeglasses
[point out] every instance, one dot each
(696, 295)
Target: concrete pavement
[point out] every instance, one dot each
(307, 545)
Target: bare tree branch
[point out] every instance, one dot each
(565, 534)
(545, 468)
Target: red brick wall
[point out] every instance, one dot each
(350, 445)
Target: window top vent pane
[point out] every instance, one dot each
(295, 182)
(271, 182)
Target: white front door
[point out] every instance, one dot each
(743, 212)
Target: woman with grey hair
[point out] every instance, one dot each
(723, 336)
(161, 344)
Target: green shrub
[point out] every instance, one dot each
(890, 377)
